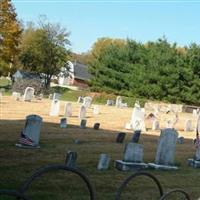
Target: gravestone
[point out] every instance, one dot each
(96, 126)
(56, 96)
(194, 113)
(16, 95)
(40, 97)
(120, 137)
(136, 136)
(180, 140)
(71, 158)
(87, 102)
(118, 102)
(110, 102)
(152, 117)
(80, 99)
(104, 161)
(195, 162)
(68, 110)
(132, 159)
(128, 126)
(188, 125)
(77, 141)
(165, 156)
(51, 96)
(82, 112)
(137, 118)
(83, 123)
(155, 125)
(55, 108)
(63, 123)
(30, 135)
(96, 110)
(28, 94)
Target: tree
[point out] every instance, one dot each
(10, 32)
(44, 50)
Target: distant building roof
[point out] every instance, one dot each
(81, 71)
(25, 75)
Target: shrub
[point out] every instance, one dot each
(21, 84)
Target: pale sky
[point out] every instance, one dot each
(142, 21)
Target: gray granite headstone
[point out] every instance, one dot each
(96, 126)
(68, 110)
(32, 129)
(77, 141)
(132, 159)
(83, 123)
(104, 161)
(166, 147)
(136, 136)
(71, 158)
(197, 154)
(133, 153)
(120, 137)
(180, 140)
(63, 123)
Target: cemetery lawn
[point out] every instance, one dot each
(18, 164)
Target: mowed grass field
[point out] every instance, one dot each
(18, 164)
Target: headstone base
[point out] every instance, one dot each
(27, 146)
(129, 166)
(193, 163)
(162, 167)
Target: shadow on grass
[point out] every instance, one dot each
(18, 164)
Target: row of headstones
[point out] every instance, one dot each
(165, 156)
(133, 154)
(156, 126)
(83, 123)
(55, 109)
(138, 120)
(118, 103)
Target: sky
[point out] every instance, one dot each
(144, 20)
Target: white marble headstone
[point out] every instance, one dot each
(118, 102)
(29, 94)
(188, 125)
(155, 125)
(68, 110)
(96, 110)
(87, 102)
(55, 108)
(82, 112)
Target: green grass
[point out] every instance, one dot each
(5, 86)
(18, 164)
(98, 98)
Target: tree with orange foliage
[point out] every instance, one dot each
(10, 32)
